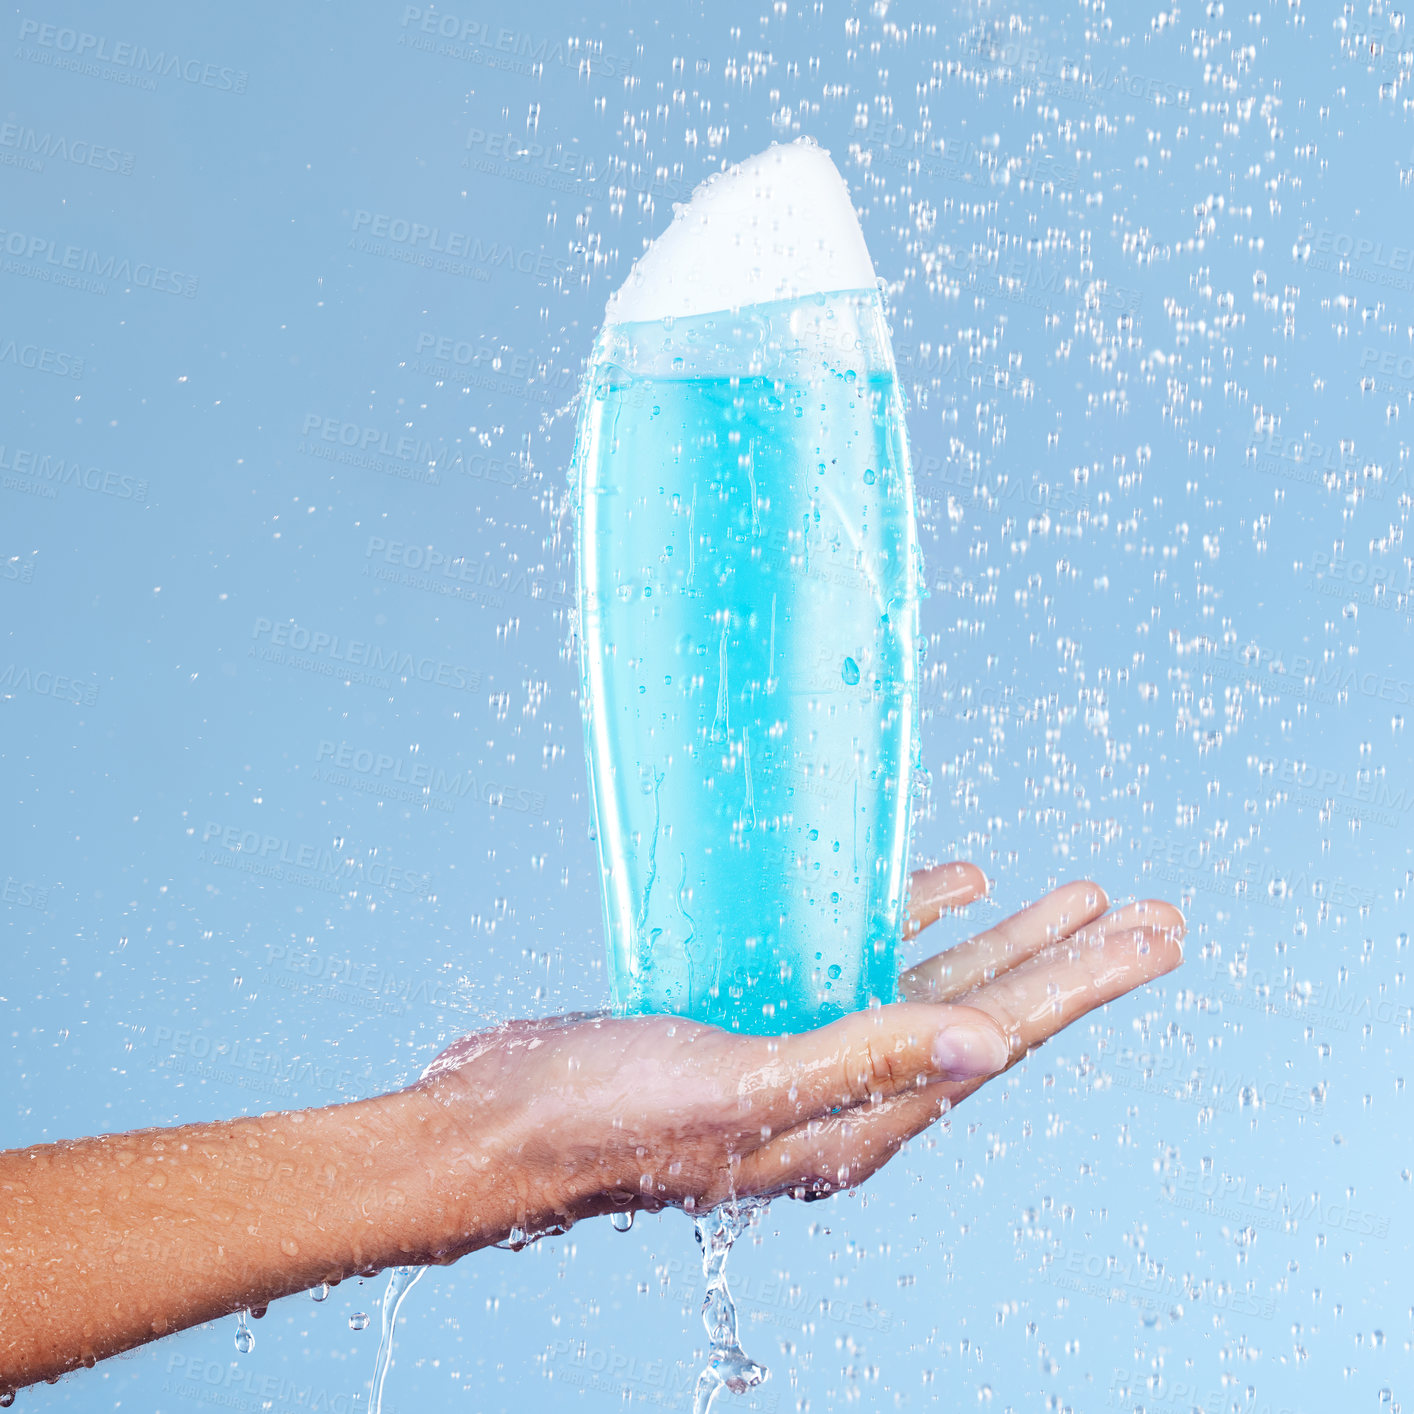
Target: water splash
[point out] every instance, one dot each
(642, 921)
(771, 660)
(519, 1238)
(749, 811)
(722, 723)
(691, 924)
(727, 1363)
(750, 462)
(401, 1280)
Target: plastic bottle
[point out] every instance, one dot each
(748, 589)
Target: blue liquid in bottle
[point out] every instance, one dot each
(748, 580)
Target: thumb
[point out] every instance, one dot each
(876, 1054)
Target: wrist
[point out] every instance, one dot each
(498, 1164)
(473, 1185)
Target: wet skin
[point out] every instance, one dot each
(109, 1242)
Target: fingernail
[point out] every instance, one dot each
(965, 1051)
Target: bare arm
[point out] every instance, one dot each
(117, 1240)
(111, 1242)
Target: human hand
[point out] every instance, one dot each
(582, 1116)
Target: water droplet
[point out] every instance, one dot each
(850, 671)
(869, 476)
(813, 835)
(833, 971)
(245, 1337)
(358, 1321)
(7, 1398)
(622, 1221)
(320, 1292)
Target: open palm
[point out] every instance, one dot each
(599, 1114)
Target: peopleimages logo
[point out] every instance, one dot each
(1302, 459)
(332, 655)
(462, 253)
(61, 47)
(1303, 677)
(1389, 362)
(241, 1389)
(367, 985)
(1145, 1285)
(1365, 796)
(1359, 257)
(1162, 1073)
(25, 147)
(491, 367)
(42, 683)
(1379, 586)
(305, 863)
(402, 456)
(41, 359)
(393, 560)
(1258, 1205)
(1191, 862)
(230, 1061)
(24, 893)
(42, 257)
(1017, 56)
(965, 162)
(497, 47)
(383, 774)
(555, 167)
(49, 472)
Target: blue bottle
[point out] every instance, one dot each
(748, 588)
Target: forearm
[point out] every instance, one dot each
(107, 1243)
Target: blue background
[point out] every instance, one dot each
(284, 537)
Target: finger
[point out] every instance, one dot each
(933, 892)
(839, 1151)
(824, 1155)
(949, 974)
(1070, 979)
(867, 1055)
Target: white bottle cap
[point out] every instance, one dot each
(778, 226)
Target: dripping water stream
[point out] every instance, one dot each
(401, 1280)
(727, 1363)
